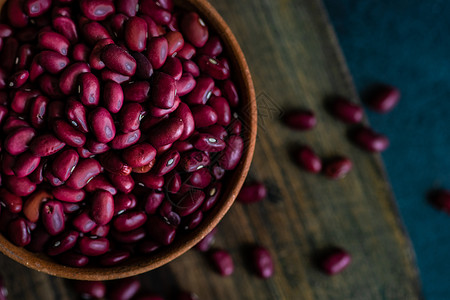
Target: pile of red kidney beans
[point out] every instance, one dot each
(118, 124)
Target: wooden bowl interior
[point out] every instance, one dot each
(141, 264)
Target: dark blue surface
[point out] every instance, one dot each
(407, 44)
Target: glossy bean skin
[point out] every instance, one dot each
(164, 90)
(123, 183)
(130, 117)
(194, 29)
(102, 125)
(150, 180)
(53, 62)
(74, 259)
(200, 179)
(100, 182)
(123, 203)
(129, 221)
(54, 41)
(338, 167)
(212, 48)
(158, 14)
(204, 116)
(232, 154)
(213, 67)
(127, 7)
(370, 140)
(67, 194)
(46, 145)
(202, 91)
(125, 140)
(223, 110)
(166, 132)
(384, 99)
(230, 93)
(95, 60)
(89, 89)
(68, 80)
(11, 201)
(64, 163)
(18, 140)
(21, 100)
(144, 69)
(208, 142)
(173, 67)
(108, 75)
(335, 261)
(118, 60)
(158, 49)
(189, 202)
(93, 247)
(84, 171)
(38, 111)
(68, 134)
(80, 52)
(262, 262)
(153, 202)
(194, 160)
(205, 244)
(53, 217)
(252, 192)
(160, 231)
(139, 155)
(212, 195)
(114, 257)
(185, 85)
(222, 261)
(135, 33)
(191, 67)
(25, 164)
(83, 222)
(113, 96)
(137, 91)
(347, 111)
(76, 113)
(90, 289)
(97, 10)
(18, 79)
(167, 162)
(18, 232)
(112, 163)
(187, 52)
(173, 182)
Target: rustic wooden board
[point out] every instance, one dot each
(296, 63)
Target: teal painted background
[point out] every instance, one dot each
(407, 44)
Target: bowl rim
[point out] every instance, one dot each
(43, 263)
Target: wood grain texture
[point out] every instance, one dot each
(296, 63)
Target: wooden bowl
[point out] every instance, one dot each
(141, 264)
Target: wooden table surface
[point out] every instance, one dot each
(296, 63)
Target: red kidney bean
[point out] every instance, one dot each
(205, 244)
(221, 106)
(22, 100)
(83, 222)
(163, 91)
(89, 89)
(93, 247)
(18, 232)
(135, 33)
(173, 182)
(64, 164)
(102, 207)
(384, 99)
(17, 140)
(338, 168)
(139, 155)
(54, 41)
(235, 127)
(194, 160)
(441, 200)
(200, 178)
(212, 196)
(137, 91)
(97, 10)
(187, 52)
(118, 60)
(67, 134)
(212, 48)
(46, 145)
(262, 262)
(222, 261)
(90, 289)
(25, 56)
(52, 179)
(113, 164)
(3, 77)
(55, 110)
(68, 78)
(66, 194)
(108, 75)
(35, 8)
(232, 154)
(52, 216)
(185, 85)
(157, 112)
(230, 93)
(347, 111)
(95, 57)
(102, 125)
(18, 79)
(52, 61)
(25, 164)
(122, 141)
(308, 160)
(149, 121)
(150, 181)
(184, 113)
(124, 289)
(84, 171)
(213, 67)
(147, 246)
(301, 119)
(173, 67)
(123, 183)
(38, 111)
(49, 86)
(9, 53)
(113, 96)
(114, 257)
(158, 14)
(208, 142)
(252, 193)
(8, 162)
(127, 7)
(194, 29)
(154, 30)
(70, 208)
(202, 91)
(130, 117)
(123, 202)
(204, 116)
(153, 202)
(370, 140)
(13, 123)
(129, 221)
(3, 113)
(335, 261)
(167, 162)
(217, 131)
(160, 231)
(144, 69)
(81, 52)
(38, 175)
(19, 186)
(189, 202)
(100, 231)
(100, 182)
(192, 221)
(95, 147)
(176, 42)
(166, 132)
(157, 51)
(11, 201)
(5, 31)
(73, 259)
